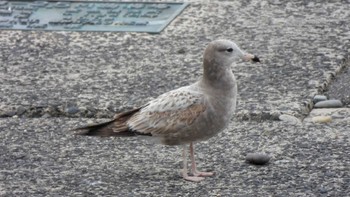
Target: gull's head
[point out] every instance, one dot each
(225, 52)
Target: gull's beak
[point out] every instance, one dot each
(250, 57)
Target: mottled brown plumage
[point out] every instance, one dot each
(187, 114)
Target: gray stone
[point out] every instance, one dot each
(21, 110)
(8, 114)
(46, 115)
(72, 110)
(318, 98)
(323, 190)
(181, 51)
(257, 158)
(289, 119)
(329, 104)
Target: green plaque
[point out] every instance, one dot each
(88, 15)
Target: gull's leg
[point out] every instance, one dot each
(184, 171)
(195, 172)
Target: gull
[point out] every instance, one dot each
(188, 114)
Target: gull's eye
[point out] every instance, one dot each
(229, 50)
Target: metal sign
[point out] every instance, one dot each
(88, 15)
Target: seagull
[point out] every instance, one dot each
(188, 114)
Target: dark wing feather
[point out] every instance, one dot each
(116, 127)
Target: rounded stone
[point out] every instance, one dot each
(329, 104)
(181, 51)
(21, 110)
(323, 190)
(72, 110)
(290, 119)
(322, 119)
(8, 114)
(318, 98)
(257, 158)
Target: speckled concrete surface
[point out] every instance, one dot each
(339, 88)
(338, 115)
(38, 157)
(303, 47)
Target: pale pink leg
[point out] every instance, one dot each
(184, 171)
(195, 172)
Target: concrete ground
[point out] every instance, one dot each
(54, 81)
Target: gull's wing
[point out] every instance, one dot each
(169, 113)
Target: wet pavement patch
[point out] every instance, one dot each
(88, 15)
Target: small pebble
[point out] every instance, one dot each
(329, 104)
(46, 115)
(72, 110)
(257, 158)
(323, 190)
(318, 98)
(181, 51)
(290, 119)
(21, 110)
(8, 114)
(322, 119)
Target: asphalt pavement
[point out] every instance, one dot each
(51, 82)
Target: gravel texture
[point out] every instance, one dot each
(301, 45)
(341, 115)
(39, 157)
(51, 82)
(339, 89)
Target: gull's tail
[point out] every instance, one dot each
(117, 127)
